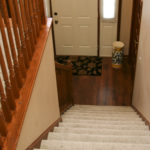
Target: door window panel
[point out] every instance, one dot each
(109, 9)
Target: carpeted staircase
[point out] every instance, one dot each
(99, 128)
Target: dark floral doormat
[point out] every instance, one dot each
(83, 65)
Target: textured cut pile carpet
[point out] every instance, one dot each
(83, 65)
(99, 128)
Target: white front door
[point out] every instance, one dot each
(75, 27)
(108, 26)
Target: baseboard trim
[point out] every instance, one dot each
(37, 142)
(142, 116)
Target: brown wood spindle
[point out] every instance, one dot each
(42, 12)
(26, 3)
(36, 17)
(32, 20)
(20, 66)
(26, 30)
(5, 106)
(9, 93)
(3, 128)
(24, 51)
(8, 57)
(12, 45)
(1, 142)
(38, 12)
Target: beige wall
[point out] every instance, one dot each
(141, 97)
(126, 23)
(43, 109)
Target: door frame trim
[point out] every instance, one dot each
(98, 28)
(119, 19)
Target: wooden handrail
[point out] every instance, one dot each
(64, 84)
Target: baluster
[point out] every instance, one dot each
(26, 30)
(42, 12)
(8, 58)
(5, 106)
(1, 142)
(21, 32)
(9, 93)
(38, 12)
(3, 128)
(20, 62)
(11, 41)
(29, 24)
(36, 17)
(32, 20)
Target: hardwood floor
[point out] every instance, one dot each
(112, 88)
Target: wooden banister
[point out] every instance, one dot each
(17, 75)
(39, 13)
(36, 17)
(26, 29)
(42, 12)
(23, 53)
(8, 57)
(3, 127)
(64, 84)
(23, 42)
(26, 4)
(4, 103)
(18, 62)
(9, 92)
(32, 20)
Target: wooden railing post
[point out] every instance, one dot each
(39, 13)
(36, 17)
(26, 4)
(22, 38)
(10, 95)
(42, 12)
(5, 106)
(3, 128)
(12, 46)
(26, 29)
(32, 20)
(8, 56)
(19, 64)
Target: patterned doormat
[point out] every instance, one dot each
(83, 65)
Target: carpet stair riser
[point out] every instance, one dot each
(98, 138)
(102, 118)
(105, 126)
(103, 121)
(102, 114)
(101, 131)
(59, 145)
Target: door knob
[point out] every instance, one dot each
(55, 13)
(56, 21)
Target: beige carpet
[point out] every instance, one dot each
(99, 128)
